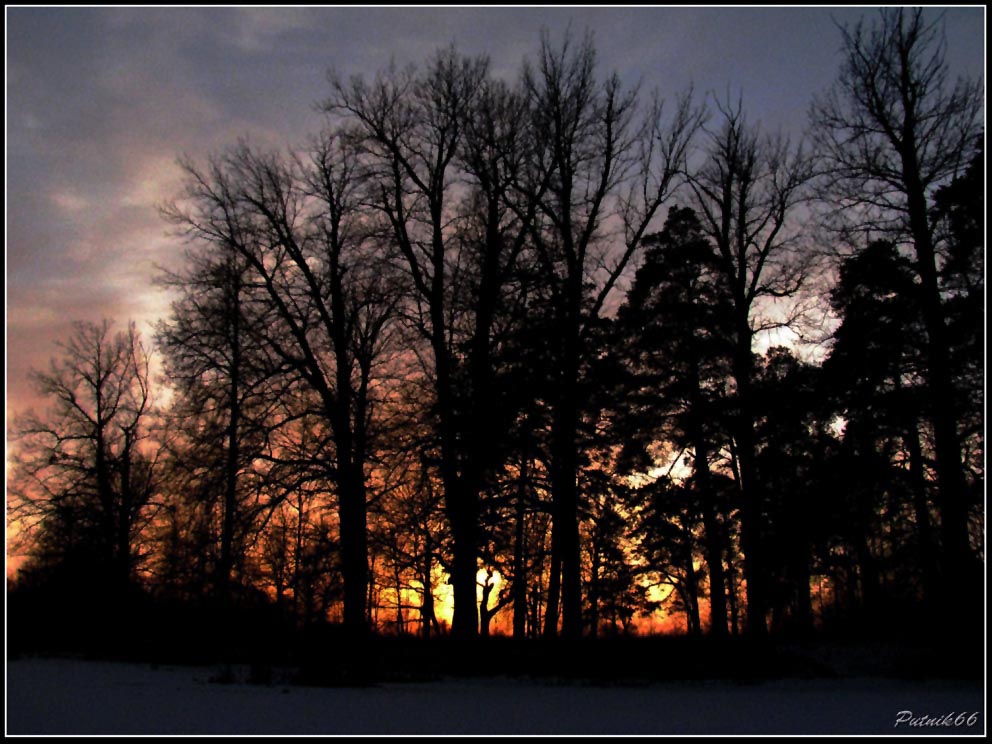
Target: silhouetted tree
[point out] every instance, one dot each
(665, 540)
(958, 212)
(874, 377)
(524, 498)
(421, 133)
(398, 358)
(407, 532)
(892, 129)
(614, 590)
(223, 397)
(674, 330)
(794, 446)
(84, 470)
(594, 160)
(746, 193)
(299, 231)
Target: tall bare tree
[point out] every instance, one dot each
(441, 149)
(223, 395)
(297, 227)
(598, 169)
(81, 471)
(746, 193)
(892, 129)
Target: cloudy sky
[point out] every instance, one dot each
(101, 101)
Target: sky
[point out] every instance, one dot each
(100, 102)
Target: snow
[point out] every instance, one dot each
(67, 696)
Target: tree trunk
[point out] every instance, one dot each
(519, 559)
(750, 492)
(594, 591)
(804, 603)
(714, 565)
(123, 549)
(465, 618)
(233, 445)
(732, 597)
(485, 612)
(565, 492)
(354, 550)
(868, 569)
(427, 615)
(461, 501)
(108, 516)
(370, 607)
(921, 509)
(691, 592)
(298, 556)
(551, 610)
(711, 525)
(950, 474)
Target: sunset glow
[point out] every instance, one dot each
(364, 349)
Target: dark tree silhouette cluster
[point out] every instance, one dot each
(517, 350)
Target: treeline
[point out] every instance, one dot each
(502, 340)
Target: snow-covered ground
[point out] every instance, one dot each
(57, 696)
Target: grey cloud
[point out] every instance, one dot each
(100, 102)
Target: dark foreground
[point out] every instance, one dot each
(75, 696)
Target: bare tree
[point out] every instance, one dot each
(441, 149)
(82, 474)
(297, 227)
(224, 393)
(596, 168)
(746, 193)
(892, 129)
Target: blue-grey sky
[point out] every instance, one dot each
(101, 101)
